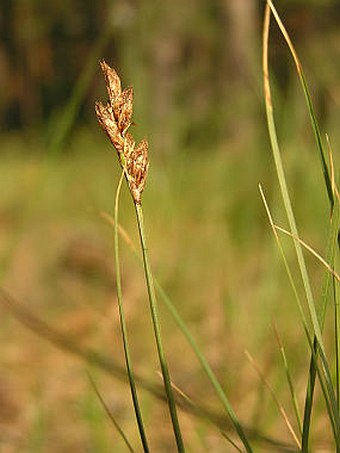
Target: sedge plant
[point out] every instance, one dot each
(115, 118)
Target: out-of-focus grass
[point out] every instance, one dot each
(212, 250)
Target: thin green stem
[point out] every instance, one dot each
(123, 325)
(190, 339)
(157, 331)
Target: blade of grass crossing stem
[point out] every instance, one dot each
(289, 380)
(190, 339)
(109, 414)
(157, 331)
(312, 115)
(283, 183)
(286, 264)
(205, 365)
(321, 260)
(132, 383)
(332, 276)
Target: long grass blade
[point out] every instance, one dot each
(309, 103)
(128, 362)
(283, 183)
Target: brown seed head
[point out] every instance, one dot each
(113, 85)
(115, 118)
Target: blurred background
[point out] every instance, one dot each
(195, 67)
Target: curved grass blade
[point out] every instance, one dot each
(283, 183)
(128, 362)
(110, 415)
(315, 125)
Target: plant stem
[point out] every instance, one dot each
(157, 331)
(123, 326)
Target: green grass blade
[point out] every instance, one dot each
(335, 221)
(325, 296)
(290, 381)
(205, 365)
(332, 409)
(128, 363)
(283, 184)
(286, 264)
(110, 415)
(309, 103)
(327, 391)
(309, 398)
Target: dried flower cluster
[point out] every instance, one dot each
(115, 120)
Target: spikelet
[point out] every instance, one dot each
(115, 118)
